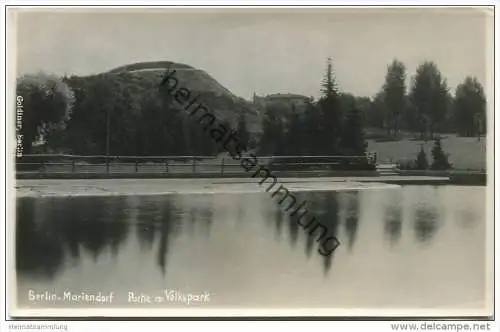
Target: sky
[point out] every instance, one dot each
(256, 50)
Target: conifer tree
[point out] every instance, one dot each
(440, 159)
(329, 85)
(394, 92)
(421, 163)
(330, 125)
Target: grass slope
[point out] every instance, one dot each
(464, 152)
(220, 99)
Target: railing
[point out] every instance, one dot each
(218, 165)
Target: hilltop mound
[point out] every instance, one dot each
(150, 65)
(194, 79)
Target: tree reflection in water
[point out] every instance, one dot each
(426, 218)
(155, 218)
(351, 224)
(162, 218)
(279, 218)
(38, 254)
(329, 217)
(393, 219)
(425, 222)
(467, 218)
(324, 207)
(53, 231)
(48, 230)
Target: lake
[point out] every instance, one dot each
(401, 247)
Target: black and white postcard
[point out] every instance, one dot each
(220, 162)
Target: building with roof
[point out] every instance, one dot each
(285, 99)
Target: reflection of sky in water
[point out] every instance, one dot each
(404, 246)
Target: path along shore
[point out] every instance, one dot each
(127, 187)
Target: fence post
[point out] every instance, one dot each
(166, 165)
(136, 165)
(194, 165)
(222, 167)
(107, 164)
(73, 166)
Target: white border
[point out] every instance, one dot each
(253, 3)
(233, 312)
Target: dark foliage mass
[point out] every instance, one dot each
(336, 125)
(43, 107)
(123, 113)
(332, 126)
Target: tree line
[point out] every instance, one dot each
(119, 114)
(427, 106)
(337, 123)
(126, 114)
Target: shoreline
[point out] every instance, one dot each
(148, 187)
(401, 177)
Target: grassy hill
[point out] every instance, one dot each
(464, 152)
(221, 100)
